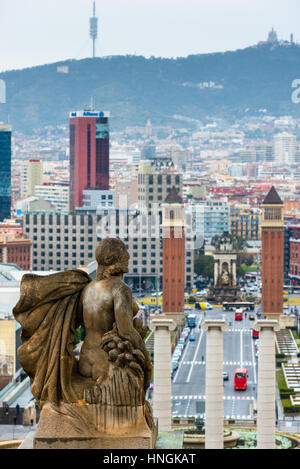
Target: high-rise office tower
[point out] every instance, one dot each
(5, 171)
(272, 255)
(89, 153)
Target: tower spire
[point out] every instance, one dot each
(94, 28)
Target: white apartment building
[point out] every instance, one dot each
(210, 218)
(56, 194)
(284, 148)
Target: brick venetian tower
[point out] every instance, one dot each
(272, 255)
(173, 253)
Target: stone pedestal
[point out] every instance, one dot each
(266, 388)
(214, 405)
(59, 429)
(162, 392)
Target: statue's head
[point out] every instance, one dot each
(112, 257)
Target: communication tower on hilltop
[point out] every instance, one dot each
(94, 28)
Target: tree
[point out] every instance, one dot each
(204, 265)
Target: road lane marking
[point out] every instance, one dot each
(253, 360)
(182, 359)
(241, 347)
(196, 352)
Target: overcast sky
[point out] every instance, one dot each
(35, 32)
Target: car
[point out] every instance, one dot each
(225, 376)
(179, 347)
(174, 365)
(175, 358)
(251, 317)
(192, 338)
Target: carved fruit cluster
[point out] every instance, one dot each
(123, 354)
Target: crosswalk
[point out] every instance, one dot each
(226, 417)
(233, 329)
(228, 363)
(200, 398)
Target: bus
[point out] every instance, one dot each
(191, 320)
(255, 334)
(240, 379)
(238, 315)
(245, 305)
(251, 276)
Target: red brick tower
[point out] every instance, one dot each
(272, 255)
(173, 253)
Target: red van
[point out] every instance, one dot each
(255, 334)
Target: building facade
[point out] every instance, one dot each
(35, 175)
(16, 251)
(245, 223)
(56, 194)
(210, 218)
(284, 148)
(5, 171)
(89, 154)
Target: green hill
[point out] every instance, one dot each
(135, 89)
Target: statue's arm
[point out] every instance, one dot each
(124, 308)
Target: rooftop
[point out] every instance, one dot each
(272, 198)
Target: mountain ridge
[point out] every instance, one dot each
(133, 89)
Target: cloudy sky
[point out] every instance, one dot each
(34, 32)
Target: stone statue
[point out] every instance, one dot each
(103, 393)
(225, 279)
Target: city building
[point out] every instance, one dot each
(257, 152)
(210, 218)
(11, 227)
(245, 222)
(16, 251)
(155, 181)
(5, 171)
(56, 194)
(94, 200)
(272, 255)
(173, 253)
(89, 153)
(291, 254)
(35, 175)
(284, 148)
(294, 272)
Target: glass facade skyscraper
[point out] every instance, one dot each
(5, 171)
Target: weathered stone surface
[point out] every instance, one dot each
(101, 396)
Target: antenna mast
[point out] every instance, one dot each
(94, 28)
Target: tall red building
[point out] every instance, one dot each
(272, 255)
(173, 253)
(89, 154)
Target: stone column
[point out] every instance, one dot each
(216, 272)
(234, 273)
(214, 405)
(266, 385)
(162, 392)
